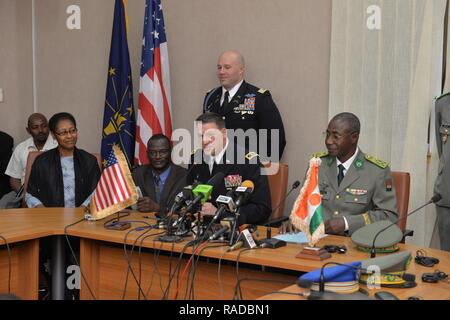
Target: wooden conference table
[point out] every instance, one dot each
(104, 266)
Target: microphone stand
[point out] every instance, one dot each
(373, 251)
(233, 230)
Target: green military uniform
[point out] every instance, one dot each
(442, 184)
(366, 194)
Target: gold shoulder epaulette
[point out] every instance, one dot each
(262, 90)
(194, 151)
(251, 155)
(442, 95)
(320, 154)
(380, 163)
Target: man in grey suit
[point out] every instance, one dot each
(160, 180)
(356, 189)
(442, 184)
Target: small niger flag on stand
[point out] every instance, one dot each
(306, 215)
(115, 190)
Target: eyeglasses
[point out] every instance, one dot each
(67, 132)
(163, 152)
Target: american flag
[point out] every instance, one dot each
(154, 104)
(115, 190)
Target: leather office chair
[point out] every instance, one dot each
(278, 184)
(402, 181)
(30, 160)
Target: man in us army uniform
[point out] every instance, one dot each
(356, 189)
(442, 184)
(244, 106)
(219, 154)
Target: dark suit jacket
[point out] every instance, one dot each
(6, 146)
(250, 108)
(143, 178)
(258, 208)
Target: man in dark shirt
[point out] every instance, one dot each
(6, 146)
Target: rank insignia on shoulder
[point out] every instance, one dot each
(380, 163)
(262, 91)
(194, 151)
(251, 155)
(320, 154)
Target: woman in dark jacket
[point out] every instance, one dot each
(64, 176)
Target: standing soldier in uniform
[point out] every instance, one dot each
(242, 105)
(356, 189)
(442, 184)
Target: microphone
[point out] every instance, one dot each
(434, 199)
(183, 196)
(270, 242)
(244, 192)
(218, 233)
(202, 192)
(245, 238)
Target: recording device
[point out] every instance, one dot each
(373, 253)
(434, 277)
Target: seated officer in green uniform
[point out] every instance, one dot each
(356, 188)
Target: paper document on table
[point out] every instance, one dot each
(297, 237)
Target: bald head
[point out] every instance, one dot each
(36, 116)
(38, 129)
(230, 68)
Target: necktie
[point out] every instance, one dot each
(157, 187)
(341, 173)
(225, 100)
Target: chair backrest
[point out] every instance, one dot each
(30, 160)
(402, 182)
(278, 187)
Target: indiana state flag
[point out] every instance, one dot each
(306, 215)
(119, 124)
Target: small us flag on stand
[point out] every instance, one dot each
(116, 189)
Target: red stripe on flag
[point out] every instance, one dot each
(121, 191)
(167, 115)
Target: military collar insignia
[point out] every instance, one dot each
(359, 164)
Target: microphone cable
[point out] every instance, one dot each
(195, 265)
(140, 258)
(9, 262)
(75, 257)
(130, 269)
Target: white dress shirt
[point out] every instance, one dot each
(231, 92)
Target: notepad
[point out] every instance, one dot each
(297, 237)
